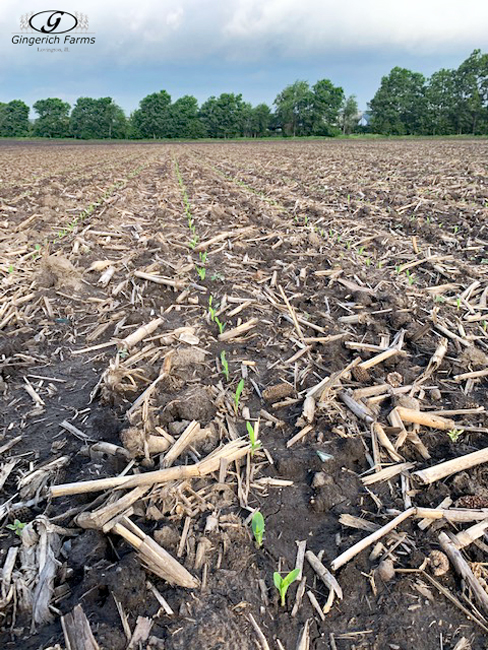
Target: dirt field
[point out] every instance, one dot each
(342, 287)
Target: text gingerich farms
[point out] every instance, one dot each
(18, 39)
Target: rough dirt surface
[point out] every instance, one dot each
(331, 253)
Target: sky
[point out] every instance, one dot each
(253, 47)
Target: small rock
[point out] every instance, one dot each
(386, 570)
(278, 392)
(435, 395)
(319, 479)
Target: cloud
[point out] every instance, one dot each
(311, 27)
(146, 32)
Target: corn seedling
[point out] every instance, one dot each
(454, 434)
(456, 230)
(203, 257)
(410, 277)
(255, 444)
(368, 261)
(257, 525)
(458, 303)
(193, 241)
(17, 527)
(225, 365)
(237, 396)
(220, 324)
(282, 584)
(211, 310)
(217, 276)
(360, 250)
(202, 272)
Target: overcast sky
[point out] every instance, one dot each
(256, 47)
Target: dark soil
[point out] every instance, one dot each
(329, 223)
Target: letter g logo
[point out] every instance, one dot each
(53, 22)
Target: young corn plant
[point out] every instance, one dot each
(410, 277)
(225, 365)
(220, 324)
(257, 525)
(211, 310)
(255, 443)
(237, 396)
(202, 271)
(282, 584)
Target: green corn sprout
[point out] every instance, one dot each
(361, 250)
(410, 277)
(257, 525)
(220, 324)
(282, 584)
(203, 257)
(456, 229)
(211, 309)
(193, 241)
(237, 396)
(202, 272)
(225, 365)
(368, 261)
(255, 444)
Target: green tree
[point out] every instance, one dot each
(14, 119)
(97, 118)
(441, 103)
(185, 122)
(399, 106)
(53, 118)
(349, 114)
(295, 108)
(472, 94)
(261, 120)
(327, 102)
(153, 117)
(224, 116)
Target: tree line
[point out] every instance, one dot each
(406, 103)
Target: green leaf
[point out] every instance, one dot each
(291, 577)
(257, 524)
(277, 579)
